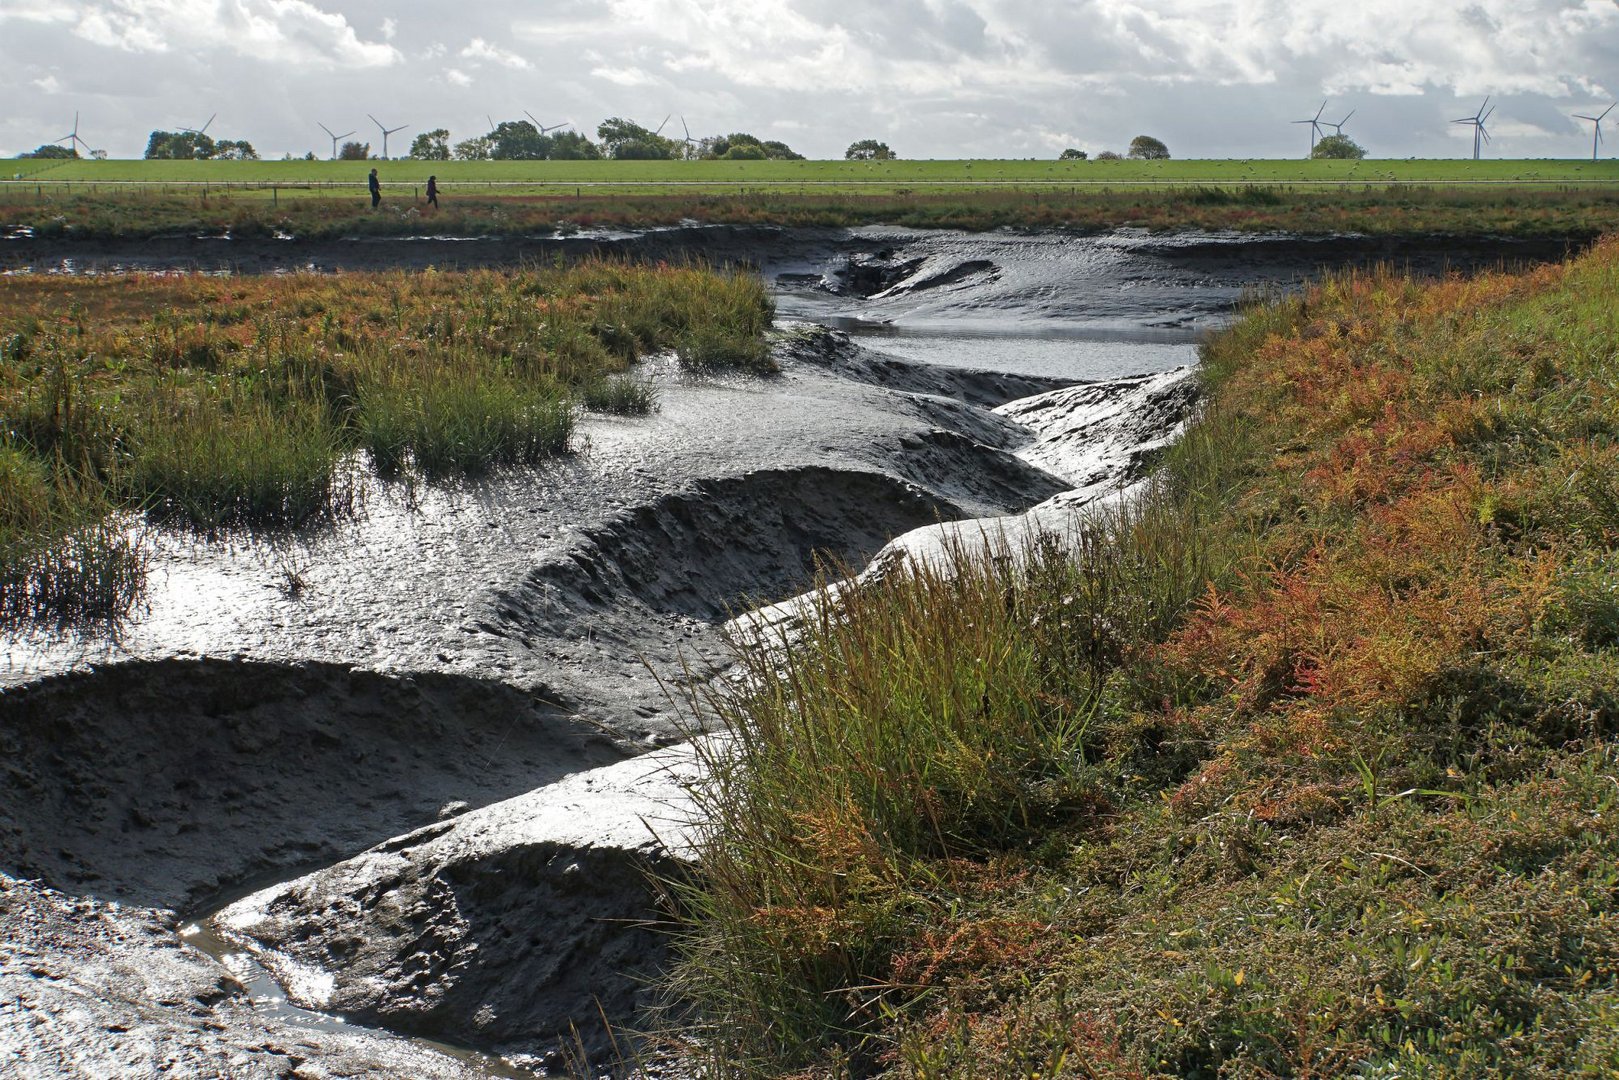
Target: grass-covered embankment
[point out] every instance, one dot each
(249, 402)
(77, 215)
(894, 173)
(1302, 765)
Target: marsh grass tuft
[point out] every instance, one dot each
(622, 395)
(65, 555)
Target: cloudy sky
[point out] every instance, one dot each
(933, 78)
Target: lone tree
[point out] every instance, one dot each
(740, 146)
(431, 145)
(235, 150)
(1339, 147)
(517, 140)
(1147, 148)
(572, 146)
(179, 146)
(1071, 154)
(51, 150)
(625, 140)
(353, 151)
(869, 150)
(473, 149)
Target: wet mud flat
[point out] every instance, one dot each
(425, 788)
(442, 659)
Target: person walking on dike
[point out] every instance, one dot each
(376, 190)
(432, 191)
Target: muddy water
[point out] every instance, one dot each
(458, 645)
(270, 1001)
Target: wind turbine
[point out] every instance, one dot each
(1338, 128)
(1315, 126)
(663, 125)
(335, 136)
(386, 131)
(542, 127)
(1477, 120)
(1596, 138)
(687, 130)
(72, 138)
(202, 130)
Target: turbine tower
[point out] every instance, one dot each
(334, 136)
(1596, 137)
(386, 131)
(1315, 126)
(72, 138)
(1478, 120)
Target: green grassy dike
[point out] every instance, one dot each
(1304, 765)
(1539, 212)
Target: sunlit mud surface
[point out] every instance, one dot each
(396, 750)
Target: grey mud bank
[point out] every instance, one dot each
(425, 789)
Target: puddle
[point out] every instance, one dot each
(271, 1002)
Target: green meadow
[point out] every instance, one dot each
(542, 176)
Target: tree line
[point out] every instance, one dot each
(616, 139)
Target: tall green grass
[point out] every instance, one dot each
(951, 712)
(65, 554)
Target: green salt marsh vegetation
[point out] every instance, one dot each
(216, 403)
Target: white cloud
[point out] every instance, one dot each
(932, 77)
(622, 76)
(49, 84)
(479, 49)
(279, 31)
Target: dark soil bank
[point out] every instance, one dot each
(866, 271)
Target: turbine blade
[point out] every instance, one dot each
(1608, 110)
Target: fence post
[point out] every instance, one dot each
(275, 196)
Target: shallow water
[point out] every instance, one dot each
(1087, 355)
(270, 1001)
